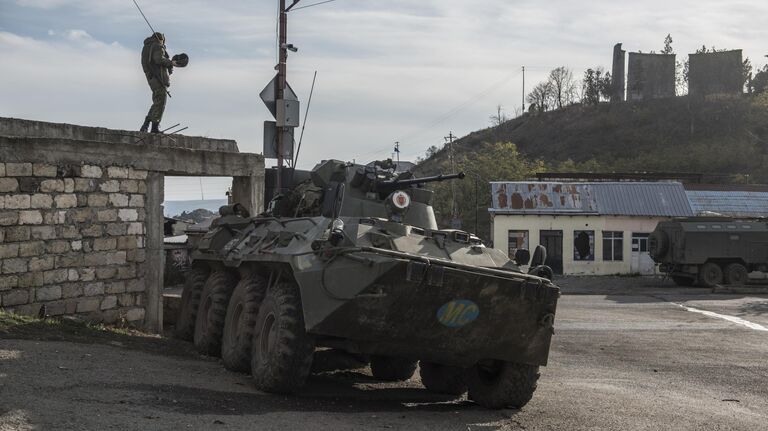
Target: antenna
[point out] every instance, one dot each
(306, 114)
(154, 33)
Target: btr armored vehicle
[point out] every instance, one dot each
(351, 258)
(710, 250)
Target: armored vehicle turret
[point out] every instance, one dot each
(351, 258)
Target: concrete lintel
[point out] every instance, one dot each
(41, 129)
(168, 160)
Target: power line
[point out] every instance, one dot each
(448, 114)
(313, 4)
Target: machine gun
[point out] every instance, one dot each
(388, 186)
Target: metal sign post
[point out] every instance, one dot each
(281, 102)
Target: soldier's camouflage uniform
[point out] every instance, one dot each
(157, 68)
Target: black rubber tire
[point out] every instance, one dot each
(502, 384)
(241, 316)
(710, 275)
(683, 281)
(209, 323)
(392, 369)
(190, 301)
(736, 274)
(658, 244)
(281, 352)
(442, 379)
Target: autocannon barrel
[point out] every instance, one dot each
(394, 184)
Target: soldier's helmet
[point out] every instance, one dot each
(181, 59)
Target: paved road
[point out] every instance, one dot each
(618, 362)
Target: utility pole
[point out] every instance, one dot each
(454, 210)
(282, 73)
(397, 152)
(523, 91)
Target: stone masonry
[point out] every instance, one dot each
(72, 238)
(81, 215)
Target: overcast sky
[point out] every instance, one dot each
(388, 70)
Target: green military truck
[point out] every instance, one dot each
(710, 251)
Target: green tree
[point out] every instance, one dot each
(759, 83)
(668, 45)
(596, 86)
(499, 161)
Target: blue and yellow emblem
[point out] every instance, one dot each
(458, 313)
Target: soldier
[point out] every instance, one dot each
(157, 68)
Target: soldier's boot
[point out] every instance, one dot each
(145, 126)
(156, 127)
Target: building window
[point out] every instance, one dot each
(583, 245)
(613, 246)
(640, 242)
(517, 239)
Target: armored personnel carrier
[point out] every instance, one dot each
(352, 259)
(709, 251)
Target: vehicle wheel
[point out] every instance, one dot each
(442, 379)
(736, 273)
(209, 323)
(392, 369)
(499, 384)
(710, 275)
(682, 280)
(238, 326)
(190, 302)
(281, 353)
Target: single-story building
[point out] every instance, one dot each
(595, 228)
(732, 200)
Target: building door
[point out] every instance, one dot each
(553, 241)
(641, 262)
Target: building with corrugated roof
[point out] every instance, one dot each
(596, 228)
(732, 200)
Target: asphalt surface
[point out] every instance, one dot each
(642, 357)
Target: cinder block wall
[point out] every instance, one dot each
(72, 238)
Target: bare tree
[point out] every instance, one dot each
(563, 86)
(541, 97)
(499, 117)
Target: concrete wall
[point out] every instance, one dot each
(618, 74)
(81, 216)
(73, 239)
(534, 224)
(715, 73)
(650, 76)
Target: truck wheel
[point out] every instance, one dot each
(190, 302)
(442, 379)
(736, 273)
(238, 325)
(499, 384)
(209, 324)
(710, 275)
(683, 281)
(281, 353)
(392, 369)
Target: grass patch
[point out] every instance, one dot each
(14, 326)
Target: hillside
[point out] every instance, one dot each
(725, 138)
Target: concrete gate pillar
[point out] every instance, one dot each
(249, 191)
(153, 320)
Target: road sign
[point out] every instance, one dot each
(270, 141)
(269, 95)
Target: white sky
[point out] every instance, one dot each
(388, 70)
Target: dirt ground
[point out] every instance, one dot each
(626, 356)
